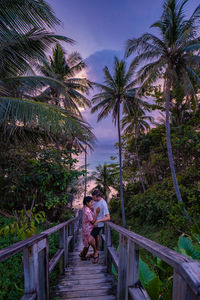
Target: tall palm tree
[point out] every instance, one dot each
(135, 123)
(104, 179)
(115, 98)
(66, 70)
(173, 56)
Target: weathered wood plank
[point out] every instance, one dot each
(84, 294)
(122, 270)
(132, 266)
(136, 293)
(191, 273)
(179, 287)
(79, 276)
(62, 246)
(30, 263)
(55, 259)
(74, 287)
(85, 282)
(115, 257)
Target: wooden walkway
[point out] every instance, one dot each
(85, 280)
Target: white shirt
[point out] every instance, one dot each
(103, 210)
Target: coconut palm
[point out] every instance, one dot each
(66, 70)
(135, 123)
(172, 56)
(114, 98)
(24, 39)
(104, 179)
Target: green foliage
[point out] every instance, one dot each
(186, 247)
(24, 225)
(49, 175)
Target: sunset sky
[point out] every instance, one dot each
(101, 29)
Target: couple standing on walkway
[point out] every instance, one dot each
(95, 213)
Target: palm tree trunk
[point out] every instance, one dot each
(120, 168)
(85, 189)
(169, 146)
(140, 170)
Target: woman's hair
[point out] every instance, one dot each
(97, 193)
(86, 200)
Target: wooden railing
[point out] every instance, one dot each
(36, 264)
(186, 278)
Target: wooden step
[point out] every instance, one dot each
(69, 282)
(103, 291)
(82, 276)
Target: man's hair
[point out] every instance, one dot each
(97, 193)
(86, 200)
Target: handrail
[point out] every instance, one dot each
(9, 251)
(186, 279)
(36, 257)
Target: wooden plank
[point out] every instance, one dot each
(29, 296)
(66, 249)
(90, 276)
(115, 257)
(62, 246)
(84, 294)
(55, 259)
(74, 287)
(132, 266)
(179, 287)
(88, 268)
(136, 293)
(108, 243)
(122, 270)
(169, 256)
(30, 264)
(69, 281)
(191, 273)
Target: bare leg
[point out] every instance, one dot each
(92, 242)
(97, 239)
(84, 252)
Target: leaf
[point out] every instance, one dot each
(187, 248)
(153, 288)
(145, 274)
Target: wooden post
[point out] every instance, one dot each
(36, 270)
(181, 290)
(132, 266)
(30, 261)
(62, 245)
(122, 271)
(108, 243)
(66, 250)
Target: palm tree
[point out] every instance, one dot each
(66, 70)
(114, 97)
(172, 56)
(135, 123)
(104, 179)
(25, 37)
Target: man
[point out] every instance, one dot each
(102, 217)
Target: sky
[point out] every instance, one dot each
(101, 29)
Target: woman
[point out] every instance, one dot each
(89, 218)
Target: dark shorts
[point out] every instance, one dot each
(95, 231)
